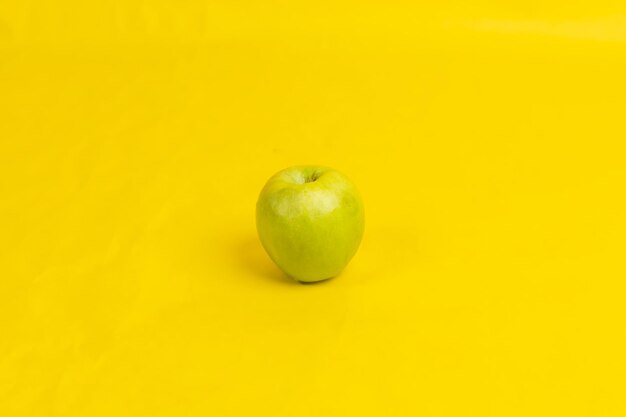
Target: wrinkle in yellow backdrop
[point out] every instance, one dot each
(488, 144)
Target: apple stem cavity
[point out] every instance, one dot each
(312, 177)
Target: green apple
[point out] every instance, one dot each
(310, 221)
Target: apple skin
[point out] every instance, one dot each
(310, 220)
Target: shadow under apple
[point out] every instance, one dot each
(252, 257)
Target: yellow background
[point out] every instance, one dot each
(487, 141)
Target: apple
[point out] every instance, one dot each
(310, 221)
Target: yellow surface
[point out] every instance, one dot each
(487, 141)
